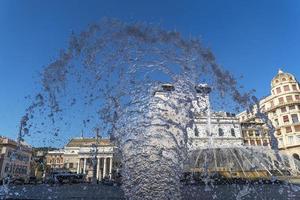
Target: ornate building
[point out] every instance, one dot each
(55, 159)
(225, 131)
(255, 133)
(80, 155)
(212, 128)
(283, 110)
(14, 159)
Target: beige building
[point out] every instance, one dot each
(282, 107)
(14, 159)
(255, 133)
(55, 159)
(80, 155)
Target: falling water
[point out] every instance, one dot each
(114, 75)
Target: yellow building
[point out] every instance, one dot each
(14, 159)
(282, 107)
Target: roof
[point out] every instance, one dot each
(8, 141)
(282, 77)
(87, 142)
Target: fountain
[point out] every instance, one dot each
(140, 84)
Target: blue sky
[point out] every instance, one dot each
(250, 38)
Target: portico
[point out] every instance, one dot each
(104, 166)
(90, 156)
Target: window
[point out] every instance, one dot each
(286, 88)
(221, 132)
(285, 118)
(258, 142)
(276, 122)
(232, 132)
(288, 129)
(280, 100)
(244, 133)
(289, 98)
(278, 90)
(295, 118)
(294, 87)
(290, 139)
(71, 165)
(296, 156)
(265, 143)
(277, 81)
(283, 109)
(297, 128)
(196, 132)
(292, 107)
(257, 133)
(297, 97)
(283, 79)
(250, 133)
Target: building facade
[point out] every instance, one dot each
(255, 133)
(225, 131)
(212, 129)
(81, 154)
(55, 159)
(15, 159)
(282, 107)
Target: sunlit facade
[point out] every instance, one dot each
(80, 155)
(283, 109)
(14, 159)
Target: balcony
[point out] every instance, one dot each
(272, 108)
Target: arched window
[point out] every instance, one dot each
(296, 156)
(196, 132)
(232, 132)
(221, 132)
(283, 79)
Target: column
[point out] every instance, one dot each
(78, 166)
(104, 168)
(98, 168)
(110, 167)
(84, 165)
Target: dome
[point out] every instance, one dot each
(282, 77)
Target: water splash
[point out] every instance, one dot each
(112, 75)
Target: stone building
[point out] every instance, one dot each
(214, 129)
(80, 154)
(255, 133)
(282, 107)
(14, 159)
(55, 159)
(225, 131)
